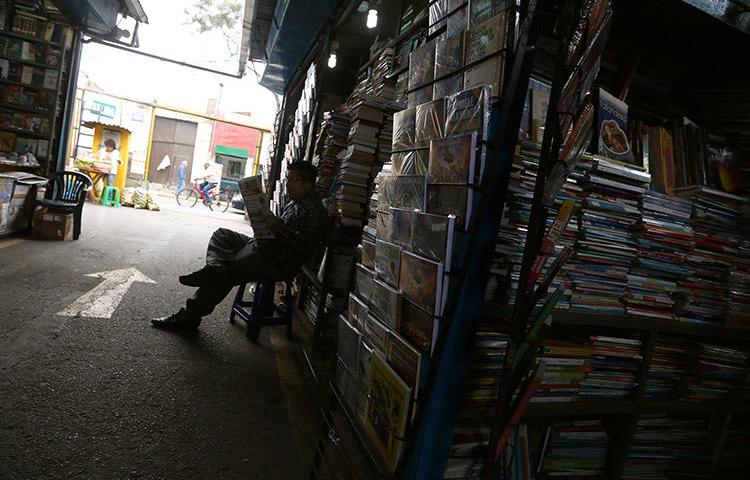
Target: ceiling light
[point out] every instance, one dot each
(372, 18)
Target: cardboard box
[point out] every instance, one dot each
(52, 226)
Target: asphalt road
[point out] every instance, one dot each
(113, 398)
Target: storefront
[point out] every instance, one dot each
(40, 46)
(446, 163)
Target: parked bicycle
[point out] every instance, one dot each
(189, 196)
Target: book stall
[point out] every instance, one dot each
(536, 270)
(36, 56)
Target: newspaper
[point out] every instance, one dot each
(256, 205)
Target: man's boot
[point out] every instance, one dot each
(176, 321)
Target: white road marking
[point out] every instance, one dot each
(102, 300)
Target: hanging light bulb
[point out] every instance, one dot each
(372, 18)
(332, 60)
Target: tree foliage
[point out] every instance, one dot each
(216, 15)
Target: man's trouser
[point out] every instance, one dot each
(239, 260)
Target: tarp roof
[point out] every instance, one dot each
(100, 16)
(290, 33)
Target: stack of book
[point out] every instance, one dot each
(651, 452)
(664, 237)
(606, 248)
(332, 140)
(566, 365)
(360, 162)
(717, 373)
(472, 432)
(488, 356)
(692, 449)
(738, 308)
(715, 219)
(506, 269)
(614, 366)
(576, 449)
(668, 368)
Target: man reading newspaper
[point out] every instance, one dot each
(276, 253)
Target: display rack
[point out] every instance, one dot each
(35, 55)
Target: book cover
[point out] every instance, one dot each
(348, 345)
(42, 149)
(385, 303)
(433, 237)
(387, 411)
(405, 360)
(50, 79)
(449, 55)
(401, 227)
(458, 20)
(383, 225)
(421, 282)
(486, 38)
(422, 65)
(468, 111)
(482, 10)
(539, 93)
(12, 94)
(364, 282)
(410, 163)
(357, 311)
(611, 124)
(418, 327)
(430, 121)
(452, 159)
(4, 68)
(28, 52)
(437, 12)
(376, 333)
(387, 262)
(367, 254)
(453, 200)
(420, 95)
(7, 141)
(408, 192)
(27, 75)
(487, 72)
(448, 86)
(404, 129)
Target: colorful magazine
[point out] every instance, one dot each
(387, 411)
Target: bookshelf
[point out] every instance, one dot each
(434, 431)
(35, 58)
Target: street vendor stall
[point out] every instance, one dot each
(91, 165)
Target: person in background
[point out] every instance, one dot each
(181, 176)
(208, 183)
(110, 154)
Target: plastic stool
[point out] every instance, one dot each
(261, 311)
(110, 197)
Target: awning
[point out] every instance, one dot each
(294, 27)
(100, 16)
(232, 152)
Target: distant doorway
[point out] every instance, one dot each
(174, 139)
